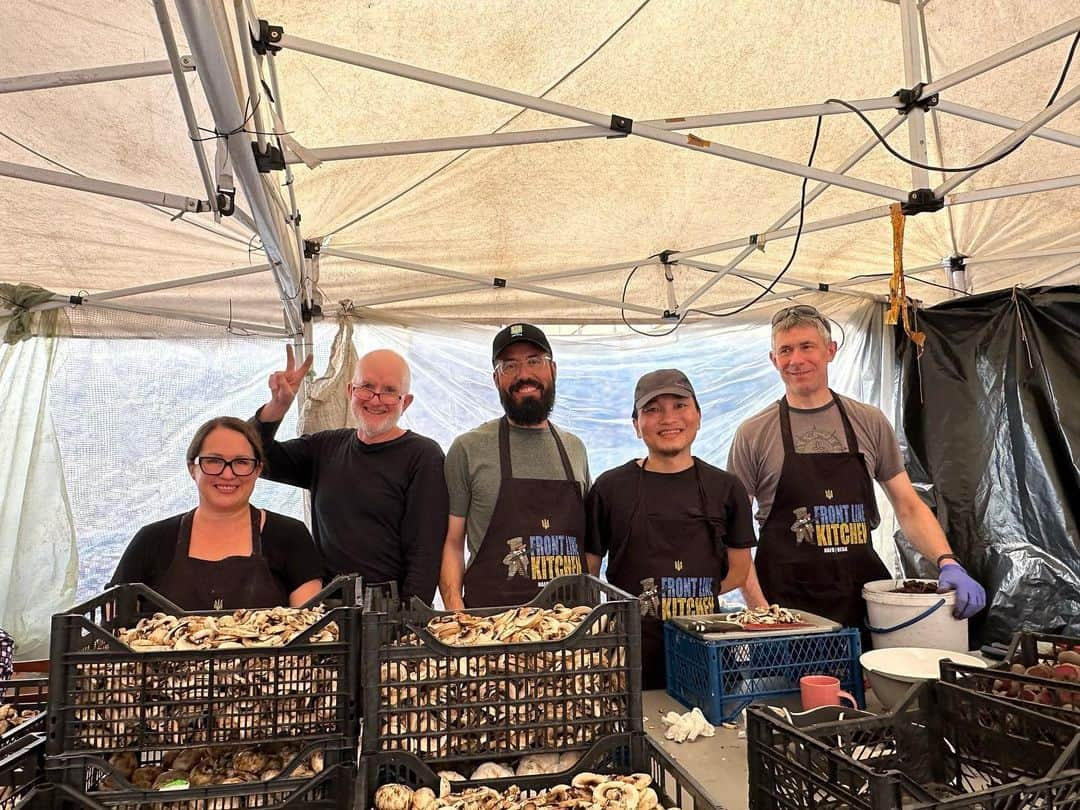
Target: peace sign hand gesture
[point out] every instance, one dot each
(283, 387)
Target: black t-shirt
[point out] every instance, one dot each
(286, 545)
(378, 510)
(611, 501)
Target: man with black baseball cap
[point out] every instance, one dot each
(677, 531)
(516, 487)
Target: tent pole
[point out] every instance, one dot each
(177, 315)
(103, 187)
(484, 281)
(1001, 192)
(557, 134)
(1001, 57)
(457, 288)
(913, 75)
(1004, 121)
(279, 103)
(1057, 273)
(866, 147)
(639, 128)
(1011, 140)
(254, 88)
(793, 281)
(176, 68)
(207, 32)
(110, 73)
(176, 283)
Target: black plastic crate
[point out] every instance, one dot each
(1027, 689)
(618, 754)
(106, 697)
(84, 780)
(25, 694)
(333, 789)
(673, 785)
(459, 704)
(943, 747)
(20, 769)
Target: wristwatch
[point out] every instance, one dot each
(949, 556)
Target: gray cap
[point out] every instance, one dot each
(661, 381)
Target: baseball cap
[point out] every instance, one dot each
(516, 333)
(661, 381)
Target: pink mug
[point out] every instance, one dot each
(823, 690)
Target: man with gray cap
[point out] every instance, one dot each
(677, 531)
(516, 487)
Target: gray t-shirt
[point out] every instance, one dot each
(473, 471)
(757, 451)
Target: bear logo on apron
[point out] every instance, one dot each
(650, 597)
(517, 561)
(803, 525)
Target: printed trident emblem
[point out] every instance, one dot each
(678, 565)
(829, 494)
(545, 523)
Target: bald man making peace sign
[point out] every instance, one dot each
(378, 495)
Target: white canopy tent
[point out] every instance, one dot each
(470, 170)
(637, 160)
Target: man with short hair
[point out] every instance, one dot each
(810, 460)
(516, 487)
(677, 531)
(378, 496)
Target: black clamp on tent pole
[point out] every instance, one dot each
(498, 282)
(911, 98)
(310, 313)
(272, 160)
(922, 201)
(269, 37)
(226, 201)
(311, 248)
(621, 126)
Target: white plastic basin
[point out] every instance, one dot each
(893, 670)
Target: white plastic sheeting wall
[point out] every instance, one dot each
(125, 409)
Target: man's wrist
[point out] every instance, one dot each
(948, 557)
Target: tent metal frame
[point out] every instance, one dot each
(213, 43)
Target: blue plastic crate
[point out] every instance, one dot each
(724, 677)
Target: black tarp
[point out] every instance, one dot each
(990, 427)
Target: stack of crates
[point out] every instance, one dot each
(111, 709)
(1052, 694)
(22, 743)
(454, 707)
(616, 754)
(943, 747)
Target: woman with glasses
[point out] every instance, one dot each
(225, 554)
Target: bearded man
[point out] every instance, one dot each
(515, 478)
(378, 496)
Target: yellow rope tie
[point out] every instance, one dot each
(899, 307)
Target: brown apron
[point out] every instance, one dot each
(814, 552)
(676, 564)
(536, 533)
(228, 584)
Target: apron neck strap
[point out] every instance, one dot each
(507, 471)
(785, 425)
(183, 534)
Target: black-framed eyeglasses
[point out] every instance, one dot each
(805, 310)
(510, 368)
(242, 466)
(367, 393)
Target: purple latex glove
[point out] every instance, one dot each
(970, 596)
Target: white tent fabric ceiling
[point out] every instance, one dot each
(521, 211)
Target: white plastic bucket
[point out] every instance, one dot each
(912, 619)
